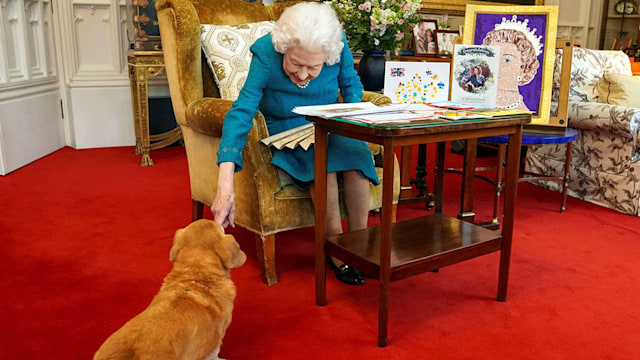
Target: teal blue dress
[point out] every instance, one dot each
(269, 90)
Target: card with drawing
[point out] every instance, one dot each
(416, 82)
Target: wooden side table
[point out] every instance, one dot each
(142, 65)
(394, 251)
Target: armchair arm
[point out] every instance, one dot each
(378, 99)
(206, 116)
(613, 119)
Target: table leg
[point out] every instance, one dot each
(385, 243)
(135, 107)
(565, 180)
(421, 171)
(510, 194)
(405, 173)
(438, 184)
(468, 185)
(142, 112)
(320, 212)
(502, 150)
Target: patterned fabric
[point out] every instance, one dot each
(605, 159)
(227, 51)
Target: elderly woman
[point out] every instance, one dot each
(304, 61)
(518, 66)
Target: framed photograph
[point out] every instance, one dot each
(424, 38)
(445, 40)
(621, 44)
(526, 36)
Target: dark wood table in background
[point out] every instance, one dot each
(397, 250)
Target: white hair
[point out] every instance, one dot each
(312, 26)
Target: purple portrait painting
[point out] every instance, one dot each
(521, 38)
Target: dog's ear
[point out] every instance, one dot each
(178, 243)
(229, 252)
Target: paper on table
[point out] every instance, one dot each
(346, 109)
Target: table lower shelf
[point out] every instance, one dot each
(418, 245)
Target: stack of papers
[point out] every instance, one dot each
(367, 112)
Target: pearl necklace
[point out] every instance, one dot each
(304, 84)
(511, 106)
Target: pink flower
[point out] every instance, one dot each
(406, 7)
(401, 21)
(367, 6)
(399, 36)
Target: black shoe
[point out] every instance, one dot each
(345, 273)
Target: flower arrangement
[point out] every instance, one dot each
(376, 24)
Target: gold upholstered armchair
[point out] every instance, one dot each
(262, 205)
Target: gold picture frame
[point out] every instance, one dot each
(457, 7)
(527, 79)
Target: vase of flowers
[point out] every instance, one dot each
(375, 26)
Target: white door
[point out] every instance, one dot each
(31, 124)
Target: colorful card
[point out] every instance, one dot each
(409, 82)
(475, 74)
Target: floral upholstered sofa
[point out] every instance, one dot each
(604, 106)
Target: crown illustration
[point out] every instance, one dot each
(523, 27)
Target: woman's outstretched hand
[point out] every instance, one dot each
(224, 209)
(224, 205)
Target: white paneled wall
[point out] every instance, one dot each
(579, 20)
(93, 45)
(30, 117)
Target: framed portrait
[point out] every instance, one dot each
(526, 36)
(143, 32)
(621, 44)
(424, 38)
(445, 40)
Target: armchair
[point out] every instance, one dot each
(262, 205)
(605, 166)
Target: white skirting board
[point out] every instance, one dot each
(30, 128)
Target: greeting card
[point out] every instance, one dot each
(416, 82)
(475, 74)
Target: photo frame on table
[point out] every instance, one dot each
(446, 40)
(424, 38)
(527, 57)
(621, 44)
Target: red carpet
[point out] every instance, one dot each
(86, 237)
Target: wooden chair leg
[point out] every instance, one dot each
(197, 210)
(266, 248)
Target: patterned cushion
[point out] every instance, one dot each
(227, 51)
(616, 89)
(587, 69)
